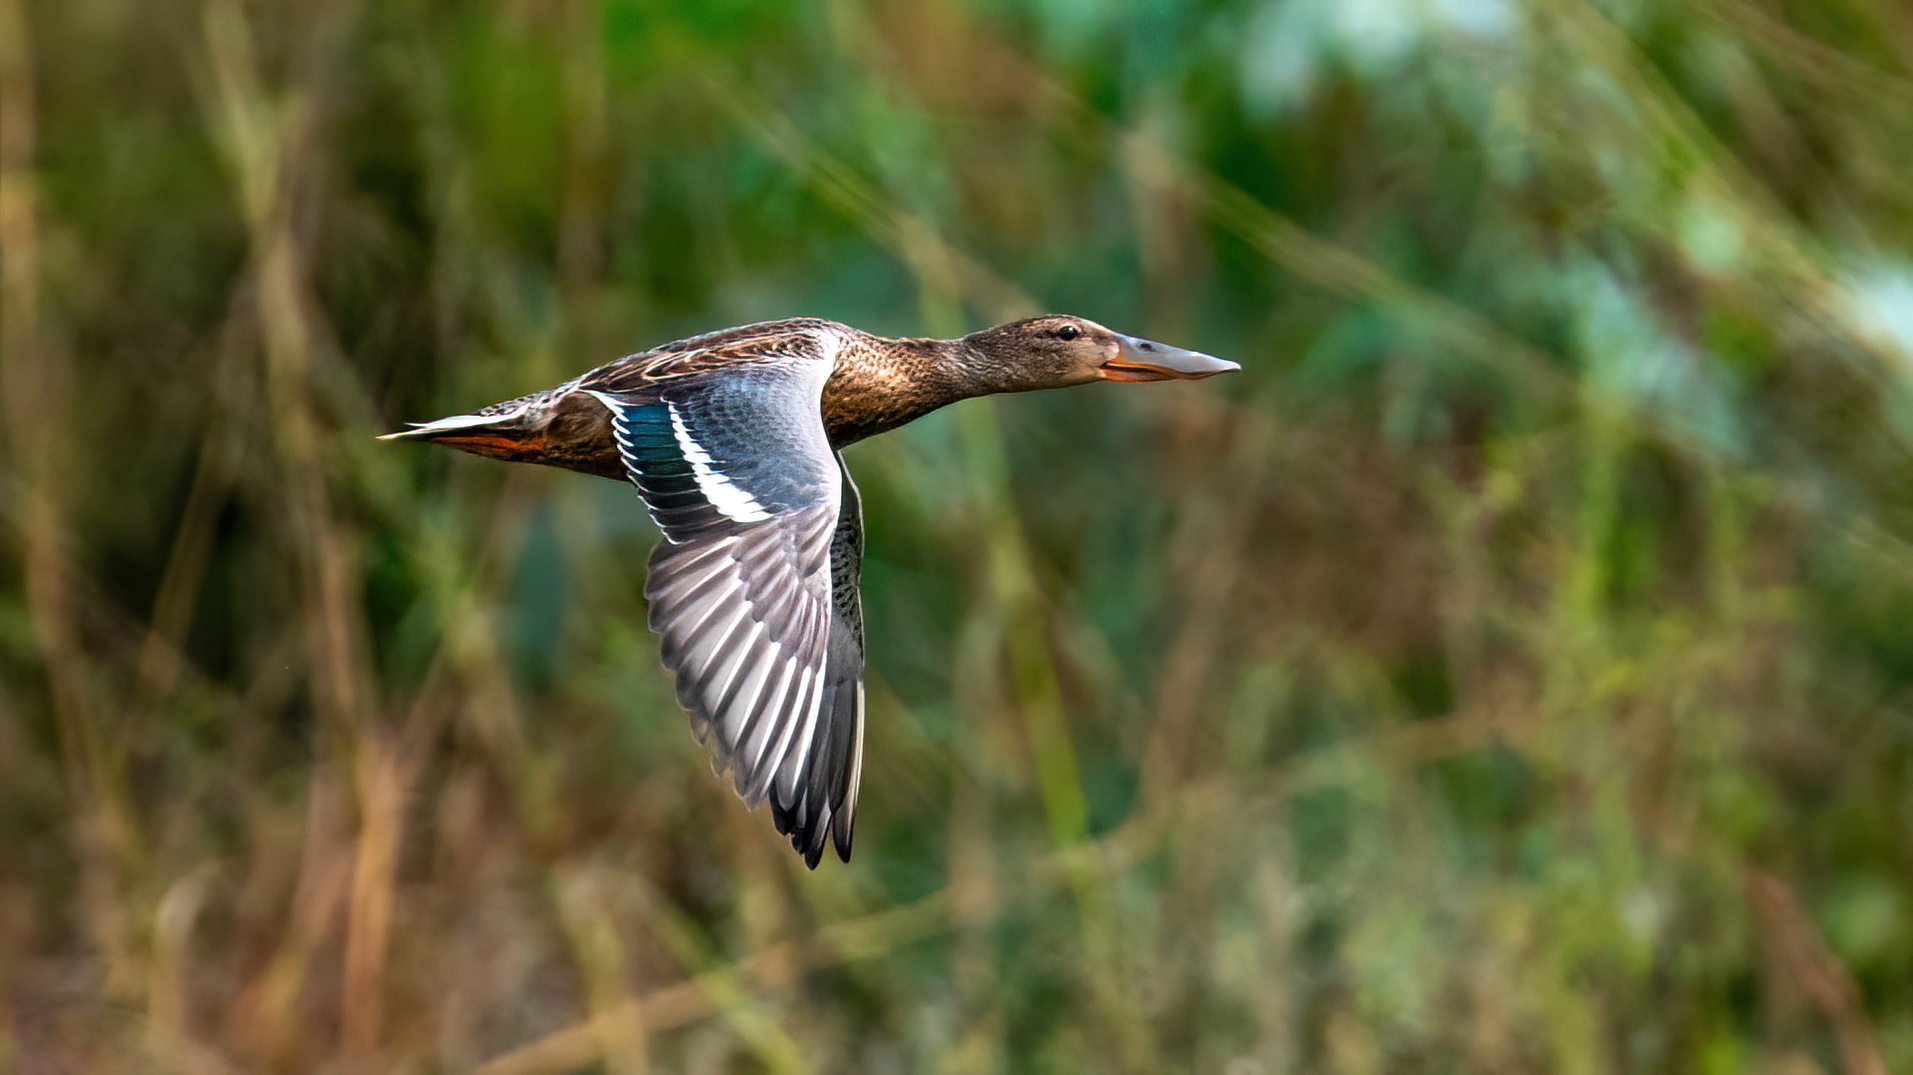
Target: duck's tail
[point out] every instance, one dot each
(458, 425)
(569, 430)
(504, 431)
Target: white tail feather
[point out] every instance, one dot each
(442, 425)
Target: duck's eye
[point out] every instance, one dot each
(1067, 332)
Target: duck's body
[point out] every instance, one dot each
(732, 439)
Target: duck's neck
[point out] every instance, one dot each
(882, 384)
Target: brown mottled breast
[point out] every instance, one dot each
(881, 384)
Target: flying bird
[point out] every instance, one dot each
(734, 440)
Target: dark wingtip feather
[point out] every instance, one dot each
(842, 828)
(800, 821)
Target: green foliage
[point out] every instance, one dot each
(1507, 672)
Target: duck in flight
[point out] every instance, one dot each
(734, 440)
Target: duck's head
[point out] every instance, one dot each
(1057, 350)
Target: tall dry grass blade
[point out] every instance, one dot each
(618, 1021)
(38, 395)
(385, 779)
(161, 658)
(1801, 960)
(268, 1015)
(771, 969)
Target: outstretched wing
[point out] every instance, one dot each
(762, 538)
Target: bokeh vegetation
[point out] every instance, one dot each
(1510, 671)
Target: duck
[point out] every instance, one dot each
(734, 440)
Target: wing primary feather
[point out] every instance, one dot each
(758, 721)
(772, 740)
(792, 775)
(738, 704)
(735, 655)
(674, 561)
(844, 826)
(694, 688)
(687, 587)
(771, 720)
(803, 702)
(705, 635)
(698, 606)
(691, 622)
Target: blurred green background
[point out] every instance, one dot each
(1510, 671)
